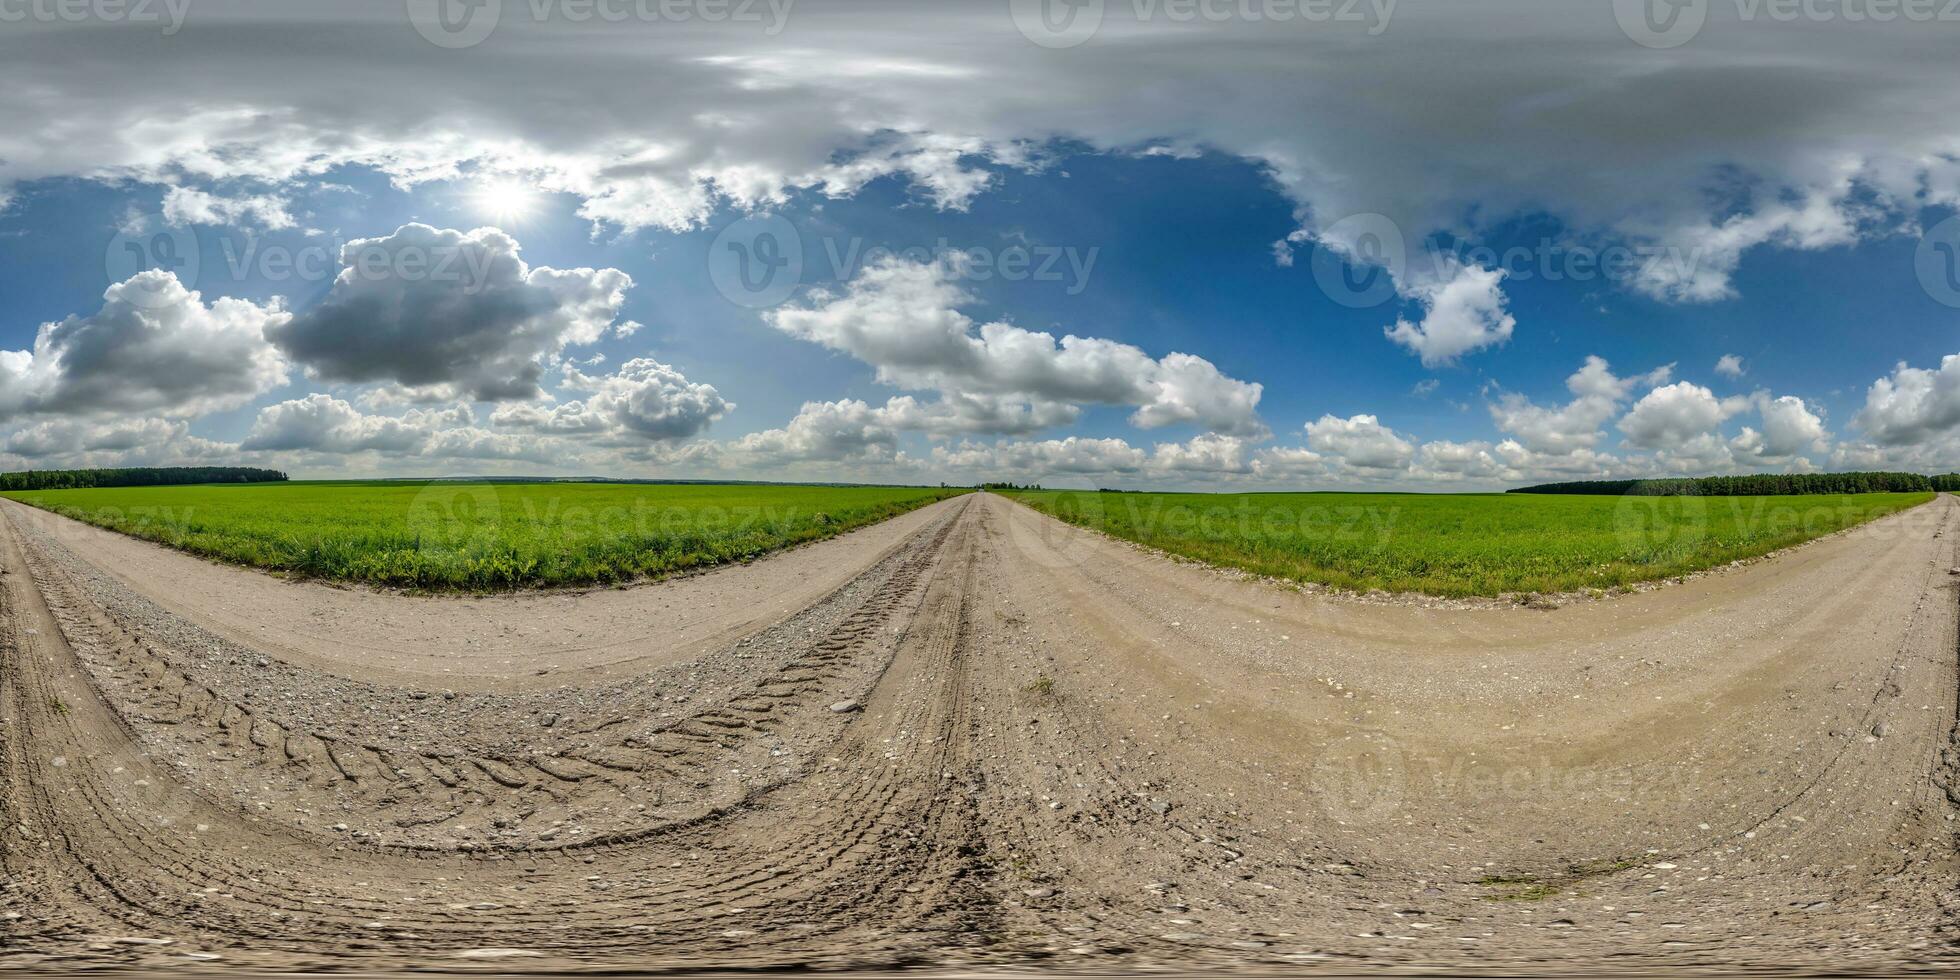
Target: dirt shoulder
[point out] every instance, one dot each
(476, 642)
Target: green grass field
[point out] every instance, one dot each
(1465, 544)
(478, 536)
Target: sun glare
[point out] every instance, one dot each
(505, 201)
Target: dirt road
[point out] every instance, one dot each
(974, 737)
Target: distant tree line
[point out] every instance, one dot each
(1765, 485)
(1010, 486)
(140, 476)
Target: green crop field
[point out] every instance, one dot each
(479, 536)
(1465, 544)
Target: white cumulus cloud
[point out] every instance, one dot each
(1913, 404)
(190, 206)
(1789, 429)
(1672, 417)
(1464, 311)
(902, 317)
(1361, 442)
(1578, 424)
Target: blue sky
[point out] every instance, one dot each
(955, 192)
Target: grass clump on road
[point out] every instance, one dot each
(1465, 544)
(481, 536)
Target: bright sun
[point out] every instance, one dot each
(505, 201)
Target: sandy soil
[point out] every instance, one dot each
(977, 739)
(491, 642)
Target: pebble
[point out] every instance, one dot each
(846, 707)
(1881, 730)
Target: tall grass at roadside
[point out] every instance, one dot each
(1465, 544)
(481, 536)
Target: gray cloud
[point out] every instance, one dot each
(645, 399)
(320, 423)
(154, 346)
(457, 312)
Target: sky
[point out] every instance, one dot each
(1179, 244)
